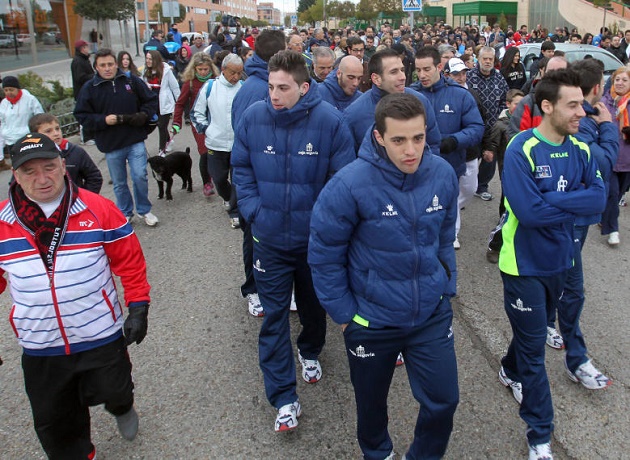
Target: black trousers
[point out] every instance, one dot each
(221, 172)
(62, 388)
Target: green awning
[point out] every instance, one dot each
(434, 12)
(485, 8)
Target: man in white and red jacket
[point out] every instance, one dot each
(60, 246)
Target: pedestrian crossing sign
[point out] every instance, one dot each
(412, 5)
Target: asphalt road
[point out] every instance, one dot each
(199, 390)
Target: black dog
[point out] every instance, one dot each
(166, 167)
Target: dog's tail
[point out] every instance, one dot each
(188, 151)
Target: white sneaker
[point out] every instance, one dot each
(554, 339)
(169, 146)
(226, 205)
(589, 376)
(311, 369)
(516, 387)
(613, 239)
(540, 452)
(90, 142)
(293, 306)
(287, 418)
(255, 307)
(456, 244)
(129, 218)
(400, 360)
(150, 219)
(235, 222)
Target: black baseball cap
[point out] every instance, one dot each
(32, 146)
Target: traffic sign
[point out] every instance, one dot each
(294, 19)
(412, 5)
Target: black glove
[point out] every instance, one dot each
(626, 134)
(448, 144)
(135, 119)
(136, 324)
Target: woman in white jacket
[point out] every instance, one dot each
(16, 109)
(159, 76)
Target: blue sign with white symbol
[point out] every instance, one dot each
(412, 5)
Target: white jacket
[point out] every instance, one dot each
(219, 133)
(169, 91)
(14, 118)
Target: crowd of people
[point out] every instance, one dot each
(345, 159)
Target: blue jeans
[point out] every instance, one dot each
(136, 156)
(527, 299)
(429, 352)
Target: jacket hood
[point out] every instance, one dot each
(256, 66)
(98, 79)
(441, 83)
(187, 48)
(375, 154)
(332, 84)
(298, 111)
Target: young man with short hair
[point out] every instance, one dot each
(457, 114)
(285, 149)
(549, 179)
(387, 72)
(383, 263)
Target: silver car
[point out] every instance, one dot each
(530, 52)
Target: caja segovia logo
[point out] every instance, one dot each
(309, 150)
(435, 205)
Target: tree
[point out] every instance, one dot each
(340, 10)
(304, 5)
(314, 13)
(157, 9)
(366, 11)
(119, 10)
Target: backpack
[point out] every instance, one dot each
(201, 128)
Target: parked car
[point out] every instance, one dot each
(24, 39)
(572, 52)
(6, 41)
(50, 38)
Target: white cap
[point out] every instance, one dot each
(455, 65)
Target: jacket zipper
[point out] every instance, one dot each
(416, 290)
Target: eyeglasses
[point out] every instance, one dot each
(357, 50)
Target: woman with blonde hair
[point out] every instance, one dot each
(200, 69)
(160, 78)
(617, 103)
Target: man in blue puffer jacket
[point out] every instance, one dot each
(381, 253)
(341, 86)
(388, 76)
(254, 89)
(456, 112)
(285, 149)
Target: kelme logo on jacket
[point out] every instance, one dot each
(269, 150)
(435, 205)
(309, 150)
(390, 211)
(447, 109)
